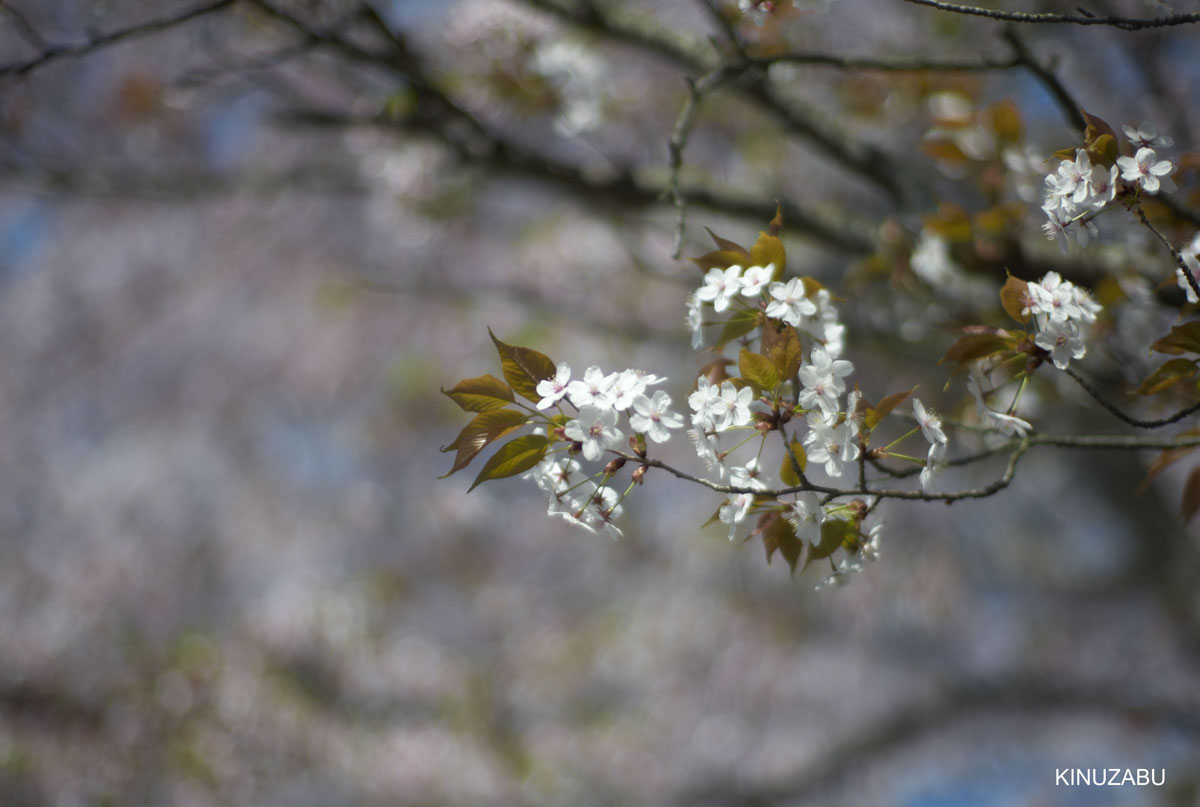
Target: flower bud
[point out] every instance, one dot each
(614, 466)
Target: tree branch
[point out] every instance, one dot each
(1127, 23)
(1069, 105)
(1132, 421)
(52, 53)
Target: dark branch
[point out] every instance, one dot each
(1121, 415)
(53, 53)
(1068, 104)
(1127, 23)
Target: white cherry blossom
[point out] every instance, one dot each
(553, 389)
(596, 429)
(720, 285)
(653, 416)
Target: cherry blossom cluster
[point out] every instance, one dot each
(1060, 309)
(599, 399)
(759, 10)
(789, 302)
(1079, 189)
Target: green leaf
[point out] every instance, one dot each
(514, 457)
(1099, 140)
(787, 471)
(978, 343)
(483, 429)
(769, 249)
(523, 368)
(1183, 338)
(834, 531)
(1014, 296)
(740, 324)
(781, 343)
(874, 415)
(779, 535)
(480, 394)
(758, 370)
(1167, 376)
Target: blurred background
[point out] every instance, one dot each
(242, 248)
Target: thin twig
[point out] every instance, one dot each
(1132, 421)
(1128, 23)
(866, 64)
(1180, 262)
(1081, 441)
(678, 142)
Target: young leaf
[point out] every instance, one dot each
(728, 246)
(514, 457)
(833, 532)
(1167, 376)
(523, 368)
(767, 250)
(877, 413)
(781, 344)
(1183, 338)
(776, 223)
(778, 534)
(1191, 495)
(720, 259)
(787, 471)
(1099, 140)
(758, 370)
(1161, 463)
(483, 429)
(714, 371)
(737, 326)
(1014, 296)
(480, 394)
(976, 345)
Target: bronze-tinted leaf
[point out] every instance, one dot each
(720, 259)
(483, 429)
(480, 394)
(714, 371)
(973, 346)
(758, 370)
(726, 245)
(778, 534)
(877, 413)
(1167, 376)
(523, 368)
(787, 471)
(1161, 463)
(514, 457)
(1191, 495)
(776, 223)
(781, 343)
(1183, 338)
(1014, 296)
